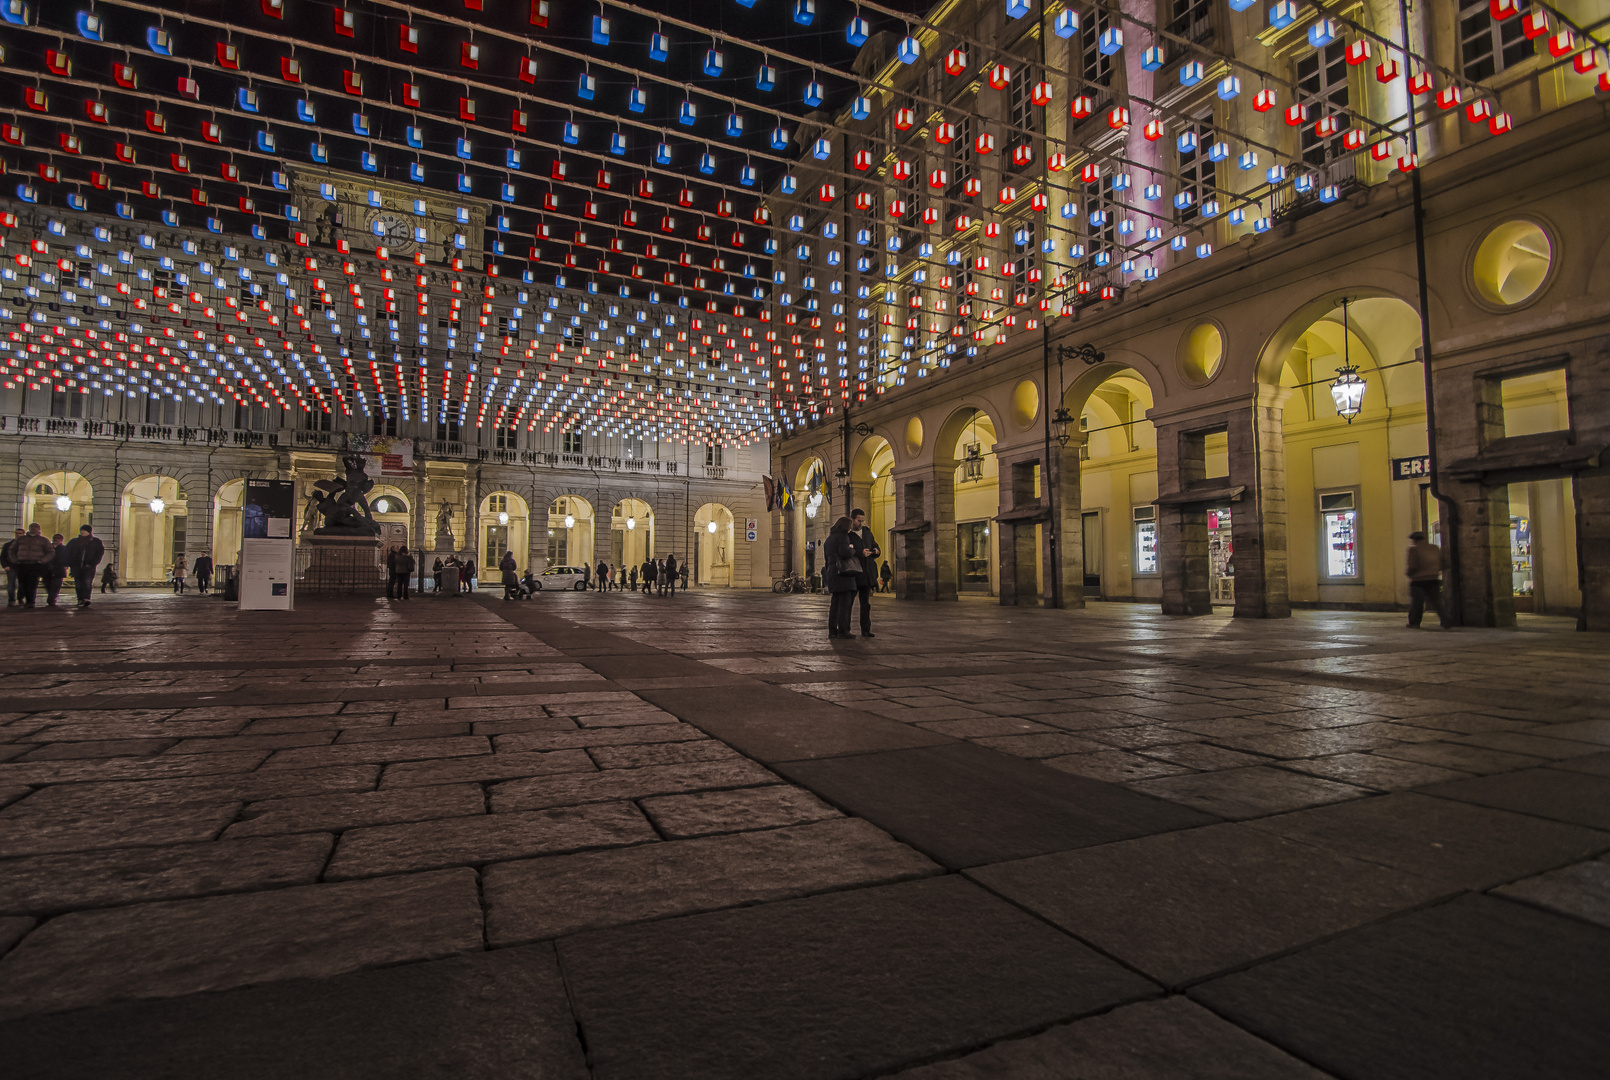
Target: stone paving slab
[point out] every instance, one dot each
(1183, 906)
(485, 1016)
(309, 757)
(964, 805)
(1459, 845)
(1249, 792)
(51, 883)
(1435, 993)
(838, 985)
(704, 812)
(179, 947)
(482, 768)
(460, 841)
(24, 833)
(624, 736)
(1582, 891)
(236, 787)
(311, 813)
(1558, 794)
(547, 898)
(1169, 1039)
(570, 789)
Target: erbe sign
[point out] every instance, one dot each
(1411, 468)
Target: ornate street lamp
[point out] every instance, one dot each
(1348, 389)
(157, 505)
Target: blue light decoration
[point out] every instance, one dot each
(415, 136)
(600, 30)
(1261, 225)
(861, 108)
(617, 143)
(247, 99)
(779, 138)
(1178, 243)
(1322, 33)
(368, 162)
(804, 12)
(1111, 40)
(813, 94)
(1120, 182)
(1282, 14)
(735, 125)
(1152, 58)
(1204, 250)
(89, 25)
(857, 32)
(1210, 208)
(1016, 9)
(265, 142)
(1276, 174)
(586, 85)
(1191, 73)
(1154, 234)
(1303, 182)
(637, 99)
(1238, 216)
(662, 154)
(1183, 200)
(1247, 161)
(1241, 5)
(1102, 258)
(909, 50)
(319, 153)
(822, 149)
(1219, 151)
(463, 149)
(305, 112)
(1329, 193)
(1069, 210)
(572, 133)
(747, 176)
(766, 78)
(789, 185)
(156, 38)
(1229, 87)
(715, 61)
(707, 163)
(1066, 24)
(280, 181)
(360, 124)
(1152, 192)
(658, 47)
(1187, 142)
(687, 114)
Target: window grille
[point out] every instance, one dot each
(1197, 172)
(1322, 77)
(1488, 45)
(1192, 19)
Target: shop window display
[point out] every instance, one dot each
(1145, 518)
(1339, 535)
(973, 561)
(1221, 555)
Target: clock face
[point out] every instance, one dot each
(396, 229)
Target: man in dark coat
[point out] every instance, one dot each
(203, 572)
(867, 549)
(33, 555)
(57, 573)
(671, 573)
(11, 567)
(603, 575)
(84, 554)
(650, 571)
(402, 569)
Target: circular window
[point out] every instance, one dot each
(1512, 263)
(913, 436)
(1201, 353)
(1025, 403)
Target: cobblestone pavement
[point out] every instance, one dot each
(629, 837)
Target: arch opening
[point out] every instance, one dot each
(155, 527)
(713, 549)
(570, 531)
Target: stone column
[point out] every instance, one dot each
(1182, 534)
(1015, 483)
(1486, 587)
(1592, 498)
(1258, 522)
(939, 542)
(1069, 563)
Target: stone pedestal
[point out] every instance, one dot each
(343, 566)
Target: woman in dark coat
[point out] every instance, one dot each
(511, 576)
(436, 573)
(842, 576)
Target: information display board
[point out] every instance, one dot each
(267, 575)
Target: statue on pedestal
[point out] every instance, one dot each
(444, 527)
(344, 502)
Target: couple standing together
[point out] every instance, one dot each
(851, 564)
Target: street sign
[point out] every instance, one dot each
(751, 529)
(1411, 468)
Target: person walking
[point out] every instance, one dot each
(885, 576)
(841, 573)
(868, 551)
(684, 577)
(391, 571)
(11, 568)
(402, 568)
(671, 573)
(84, 554)
(178, 576)
(511, 576)
(1424, 565)
(586, 576)
(57, 572)
(109, 577)
(632, 577)
(471, 573)
(436, 574)
(650, 571)
(33, 555)
(603, 576)
(203, 572)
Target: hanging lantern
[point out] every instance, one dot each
(1296, 115)
(973, 188)
(1358, 52)
(1000, 77)
(1348, 389)
(1041, 94)
(1387, 70)
(1153, 130)
(1080, 107)
(938, 179)
(1118, 117)
(901, 170)
(955, 62)
(905, 119)
(1265, 99)
(984, 143)
(1057, 162)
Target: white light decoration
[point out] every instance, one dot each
(157, 506)
(382, 506)
(503, 517)
(63, 503)
(711, 527)
(570, 521)
(631, 523)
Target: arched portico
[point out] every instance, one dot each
(712, 545)
(60, 501)
(154, 527)
(505, 519)
(570, 531)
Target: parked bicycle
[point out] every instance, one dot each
(793, 583)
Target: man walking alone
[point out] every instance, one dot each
(1424, 565)
(868, 551)
(84, 554)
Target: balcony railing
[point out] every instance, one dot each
(327, 441)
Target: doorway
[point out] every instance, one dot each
(973, 556)
(1221, 557)
(1090, 524)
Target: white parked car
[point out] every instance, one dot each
(562, 577)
